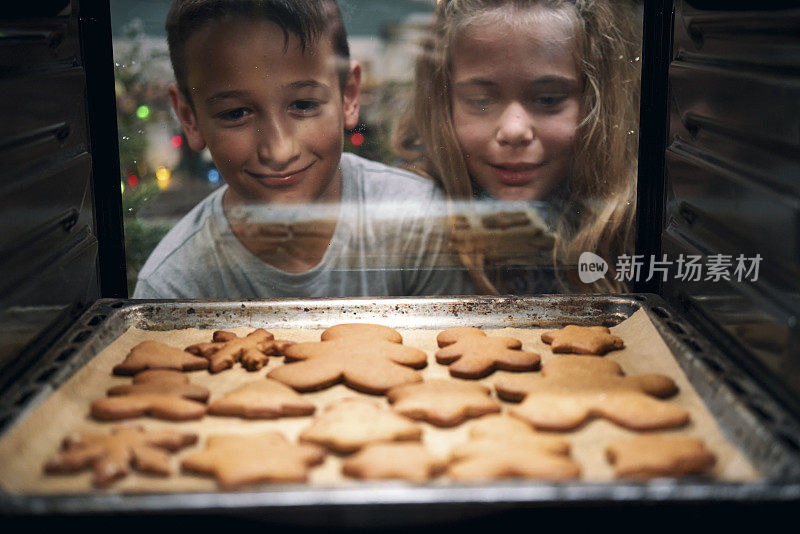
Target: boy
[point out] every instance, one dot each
(268, 87)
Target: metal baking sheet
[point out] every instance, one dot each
(748, 415)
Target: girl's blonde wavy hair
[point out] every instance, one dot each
(600, 210)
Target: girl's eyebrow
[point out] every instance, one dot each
(550, 79)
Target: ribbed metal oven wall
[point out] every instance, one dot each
(48, 243)
(732, 168)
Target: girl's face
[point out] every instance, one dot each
(516, 100)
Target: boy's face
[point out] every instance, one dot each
(516, 102)
(272, 116)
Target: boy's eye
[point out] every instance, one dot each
(304, 106)
(233, 115)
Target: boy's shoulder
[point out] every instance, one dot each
(182, 242)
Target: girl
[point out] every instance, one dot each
(533, 100)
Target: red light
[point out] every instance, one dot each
(176, 141)
(133, 180)
(357, 139)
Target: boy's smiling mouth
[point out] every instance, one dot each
(280, 179)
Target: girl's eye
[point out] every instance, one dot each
(233, 115)
(550, 101)
(304, 107)
(479, 103)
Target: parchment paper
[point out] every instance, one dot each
(27, 446)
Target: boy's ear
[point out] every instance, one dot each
(352, 96)
(186, 115)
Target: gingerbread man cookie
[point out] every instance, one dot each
(253, 350)
(504, 447)
(112, 456)
(576, 339)
(262, 399)
(406, 461)
(659, 456)
(160, 393)
(472, 354)
(156, 355)
(351, 423)
(161, 381)
(367, 358)
(239, 460)
(571, 389)
(443, 403)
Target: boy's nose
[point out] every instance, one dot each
(515, 127)
(276, 145)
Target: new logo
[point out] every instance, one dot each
(591, 267)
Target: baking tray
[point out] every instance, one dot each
(748, 415)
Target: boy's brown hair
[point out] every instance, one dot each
(307, 19)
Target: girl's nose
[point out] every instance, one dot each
(515, 127)
(276, 145)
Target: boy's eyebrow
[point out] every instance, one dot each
(302, 84)
(216, 97)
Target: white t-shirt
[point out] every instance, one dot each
(390, 240)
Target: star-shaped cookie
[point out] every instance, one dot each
(239, 460)
(472, 354)
(504, 447)
(406, 461)
(576, 339)
(367, 358)
(441, 402)
(571, 389)
(659, 456)
(262, 399)
(351, 423)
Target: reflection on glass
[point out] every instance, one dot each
(275, 212)
(532, 102)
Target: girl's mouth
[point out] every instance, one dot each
(282, 179)
(516, 173)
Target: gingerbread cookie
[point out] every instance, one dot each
(112, 456)
(659, 456)
(503, 447)
(156, 355)
(472, 354)
(576, 339)
(158, 405)
(571, 389)
(253, 350)
(506, 219)
(262, 399)
(238, 460)
(161, 381)
(351, 423)
(367, 358)
(442, 403)
(406, 461)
